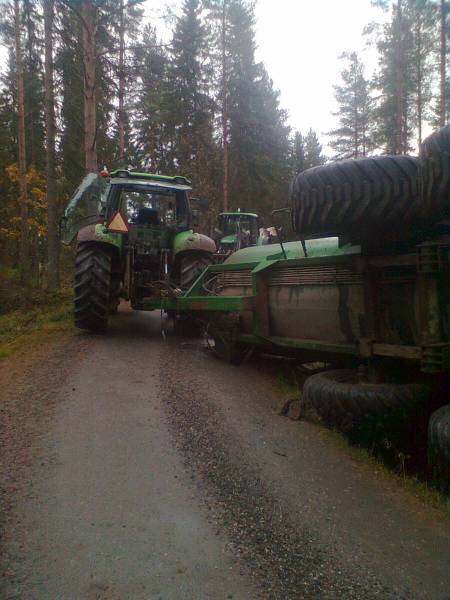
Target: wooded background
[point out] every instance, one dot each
(88, 83)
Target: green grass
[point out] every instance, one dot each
(425, 491)
(28, 325)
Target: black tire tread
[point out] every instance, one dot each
(435, 171)
(341, 400)
(439, 431)
(92, 286)
(361, 196)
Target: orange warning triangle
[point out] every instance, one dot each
(118, 224)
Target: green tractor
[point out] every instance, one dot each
(236, 230)
(135, 240)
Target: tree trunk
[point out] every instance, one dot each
(225, 133)
(419, 80)
(121, 114)
(52, 225)
(400, 100)
(88, 14)
(23, 198)
(443, 99)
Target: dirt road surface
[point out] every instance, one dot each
(136, 467)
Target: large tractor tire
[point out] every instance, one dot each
(341, 400)
(92, 287)
(360, 198)
(435, 172)
(191, 267)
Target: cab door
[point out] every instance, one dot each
(85, 206)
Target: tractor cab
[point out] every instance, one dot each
(237, 230)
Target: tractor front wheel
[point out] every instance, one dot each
(92, 287)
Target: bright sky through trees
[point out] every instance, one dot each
(300, 42)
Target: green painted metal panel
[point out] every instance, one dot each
(300, 344)
(294, 250)
(103, 235)
(199, 303)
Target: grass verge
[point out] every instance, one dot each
(28, 326)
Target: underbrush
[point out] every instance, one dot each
(25, 314)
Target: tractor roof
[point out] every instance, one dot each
(125, 174)
(238, 214)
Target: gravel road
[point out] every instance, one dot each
(137, 466)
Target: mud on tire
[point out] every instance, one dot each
(341, 400)
(92, 287)
(361, 197)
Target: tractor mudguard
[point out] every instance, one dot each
(98, 233)
(188, 240)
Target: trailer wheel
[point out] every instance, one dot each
(92, 287)
(361, 197)
(191, 266)
(340, 399)
(435, 170)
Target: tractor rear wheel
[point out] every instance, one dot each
(92, 287)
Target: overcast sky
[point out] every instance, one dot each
(300, 41)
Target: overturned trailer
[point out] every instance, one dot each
(374, 300)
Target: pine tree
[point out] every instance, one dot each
(259, 145)
(313, 151)
(395, 83)
(69, 67)
(219, 17)
(298, 153)
(192, 105)
(151, 120)
(21, 142)
(34, 83)
(422, 15)
(352, 139)
(52, 227)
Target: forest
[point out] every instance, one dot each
(90, 83)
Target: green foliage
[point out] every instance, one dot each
(353, 137)
(181, 96)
